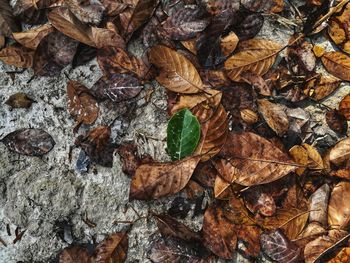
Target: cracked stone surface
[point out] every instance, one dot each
(40, 194)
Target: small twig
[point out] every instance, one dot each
(3, 242)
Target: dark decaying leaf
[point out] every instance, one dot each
(19, 100)
(268, 6)
(82, 106)
(216, 7)
(257, 82)
(129, 157)
(180, 207)
(300, 56)
(33, 142)
(155, 180)
(185, 23)
(32, 11)
(97, 145)
(183, 133)
(90, 12)
(7, 20)
(279, 248)
(83, 55)
(53, 53)
(74, 254)
(113, 249)
(336, 121)
(17, 56)
(249, 26)
(118, 87)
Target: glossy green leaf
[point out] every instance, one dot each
(183, 134)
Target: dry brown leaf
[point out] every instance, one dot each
(257, 82)
(339, 206)
(315, 159)
(340, 153)
(155, 180)
(177, 74)
(32, 37)
(300, 156)
(229, 43)
(256, 55)
(257, 159)
(19, 100)
(343, 256)
(74, 254)
(275, 116)
(104, 37)
(341, 173)
(344, 107)
(320, 87)
(338, 29)
(268, 6)
(89, 12)
(17, 56)
(249, 116)
(338, 64)
(337, 121)
(113, 249)
(2, 42)
(81, 104)
(190, 45)
(319, 205)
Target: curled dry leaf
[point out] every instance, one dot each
(279, 248)
(338, 29)
(97, 146)
(340, 153)
(156, 180)
(19, 100)
(54, 52)
(32, 37)
(319, 205)
(269, 6)
(337, 121)
(257, 159)
(74, 254)
(177, 74)
(17, 56)
(214, 134)
(256, 55)
(320, 87)
(113, 249)
(338, 207)
(89, 12)
(275, 116)
(338, 64)
(33, 142)
(82, 106)
(229, 43)
(344, 107)
(7, 20)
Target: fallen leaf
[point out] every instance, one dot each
(216, 7)
(337, 121)
(83, 55)
(341, 173)
(338, 64)
(19, 100)
(249, 27)
(17, 56)
(155, 180)
(249, 116)
(257, 159)
(229, 43)
(300, 156)
(319, 205)
(82, 106)
(275, 116)
(320, 87)
(300, 57)
(178, 74)
(342, 256)
(113, 249)
(269, 6)
(89, 12)
(74, 254)
(8, 23)
(344, 107)
(32, 142)
(32, 11)
(32, 37)
(257, 82)
(338, 207)
(256, 55)
(279, 248)
(340, 153)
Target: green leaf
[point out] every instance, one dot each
(183, 134)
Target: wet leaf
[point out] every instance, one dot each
(17, 56)
(337, 122)
(113, 249)
(155, 180)
(338, 64)
(256, 55)
(82, 106)
(32, 142)
(183, 134)
(185, 23)
(257, 159)
(340, 153)
(7, 20)
(320, 87)
(89, 12)
(344, 107)
(54, 52)
(338, 29)
(338, 207)
(269, 6)
(19, 100)
(74, 254)
(177, 74)
(97, 146)
(275, 116)
(279, 248)
(32, 37)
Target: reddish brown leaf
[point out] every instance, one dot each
(337, 121)
(74, 254)
(17, 56)
(32, 37)
(269, 6)
(320, 87)
(338, 64)
(257, 82)
(113, 249)
(338, 207)
(340, 153)
(90, 12)
(344, 107)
